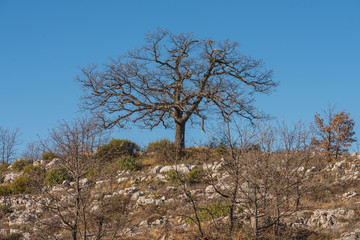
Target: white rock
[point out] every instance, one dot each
(136, 195)
(183, 168)
(349, 236)
(171, 188)
(156, 169)
(10, 177)
(131, 190)
(122, 179)
(210, 189)
(56, 162)
(145, 201)
(84, 182)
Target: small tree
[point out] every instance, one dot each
(334, 132)
(266, 181)
(70, 206)
(173, 79)
(8, 142)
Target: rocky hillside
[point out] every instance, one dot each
(188, 200)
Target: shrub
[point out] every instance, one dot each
(32, 170)
(21, 185)
(3, 169)
(194, 176)
(12, 236)
(214, 210)
(164, 150)
(49, 155)
(20, 164)
(5, 190)
(117, 148)
(57, 176)
(129, 163)
(4, 209)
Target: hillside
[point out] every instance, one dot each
(159, 201)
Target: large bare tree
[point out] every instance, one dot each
(173, 79)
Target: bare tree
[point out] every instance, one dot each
(32, 151)
(70, 206)
(8, 142)
(173, 79)
(266, 181)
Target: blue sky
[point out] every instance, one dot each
(312, 46)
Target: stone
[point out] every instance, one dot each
(10, 177)
(329, 218)
(84, 182)
(156, 169)
(145, 201)
(183, 168)
(210, 189)
(171, 188)
(56, 162)
(349, 195)
(349, 236)
(123, 179)
(136, 195)
(131, 190)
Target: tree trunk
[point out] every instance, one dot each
(180, 138)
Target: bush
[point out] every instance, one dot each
(164, 150)
(214, 210)
(5, 190)
(21, 185)
(194, 176)
(117, 148)
(4, 209)
(3, 169)
(129, 163)
(49, 155)
(20, 164)
(32, 170)
(12, 236)
(57, 176)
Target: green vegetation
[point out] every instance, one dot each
(160, 145)
(129, 163)
(117, 148)
(214, 210)
(57, 176)
(162, 150)
(194, 176)
(21, 185)
(4, 209)
(12, 236)
(32, 170)
(20, 164)
(49, 155)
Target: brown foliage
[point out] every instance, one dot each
(334, 132)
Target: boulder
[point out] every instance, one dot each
(183, 168)
(350, 236)
(156, 169)
(10, 177)
(56, 162)
(322, 218)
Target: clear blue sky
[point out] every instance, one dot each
(312, 46)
